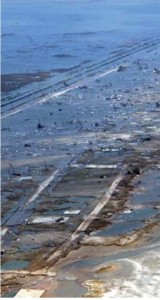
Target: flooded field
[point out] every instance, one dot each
(80, 149)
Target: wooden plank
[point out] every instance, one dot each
(42, 187)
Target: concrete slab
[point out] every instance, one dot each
(24, 293)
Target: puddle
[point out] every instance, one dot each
(144, 205)
(10, 294)
(69, 289)
(149, 183)
(119, 228)
(81, 202)
(125, 223)
(15, 264)
(92, 266)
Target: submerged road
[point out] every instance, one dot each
(75, 189)
(80, 155)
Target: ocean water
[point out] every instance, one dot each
(44, 35)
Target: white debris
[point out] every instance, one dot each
(146, 119)
(101, 166)
(154, 128)
(72, 212)
(127, 211)
(4, 231)
(49, 219)
(123, 136)
(156, 207)
(23, 293)
(92, 166)
(111, 149)
(25, 178)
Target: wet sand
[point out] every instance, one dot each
(12, 82)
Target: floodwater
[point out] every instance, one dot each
(51, 35)
(80, 104)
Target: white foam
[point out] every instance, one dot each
(143, 281)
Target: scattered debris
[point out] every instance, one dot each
(46, 167)
(134, 170)
(157, 71)
(109, 144)
(6, 129)
(146, 139)
(40, 126)
(12, 168)
(121, 68)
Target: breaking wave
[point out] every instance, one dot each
(143, 281)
